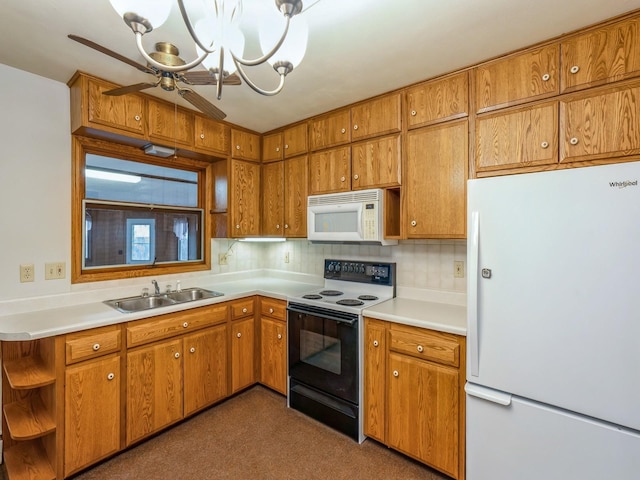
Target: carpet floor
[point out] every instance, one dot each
(255, 436)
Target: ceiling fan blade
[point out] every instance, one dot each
(111, 53)
(202, 104)
(202, 77)
(129, 89)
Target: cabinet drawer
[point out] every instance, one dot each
(242, 308)
(424, 344)
(165, 326)
(92, 343)
(273, 308)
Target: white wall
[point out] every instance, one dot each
(35, 181)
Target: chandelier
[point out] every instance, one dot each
(214, 27)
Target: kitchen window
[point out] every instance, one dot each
(136, 215)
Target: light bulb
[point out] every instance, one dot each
(155, 11)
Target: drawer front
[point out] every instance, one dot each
(242, 308)
(424, 344)
(146, 331)
(273, 308)
(92, 343)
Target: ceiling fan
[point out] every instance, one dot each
(168, 54)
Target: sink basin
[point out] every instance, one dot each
(140, 303)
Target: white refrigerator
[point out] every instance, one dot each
(553, 340)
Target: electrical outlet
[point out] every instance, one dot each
(286, 257)
(54, 271)
(222, 259)
(458, 269)
(27, 273)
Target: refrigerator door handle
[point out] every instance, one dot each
(472, 294)
(484, 393)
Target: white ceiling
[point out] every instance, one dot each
(357, 48)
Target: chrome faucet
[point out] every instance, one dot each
(156, 286)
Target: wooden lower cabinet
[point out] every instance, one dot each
(92, 412)
(154, 388)
(242, 354)
(414, 397)
(273, 344)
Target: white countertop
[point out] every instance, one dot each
(47, 320)
(433, 315)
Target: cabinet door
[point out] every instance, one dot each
(124, 112)
(435, 181)
(517, 138)
(376, 163)
(423, 411)
(245, 145)
(272, 147)
(211, 136)
(375, 373)
(526, 76)
(273, 354)
(330, 171)
(607, 54)
(296, 175)
(330, 130)
(376, 117)
(169, 124)
(438, 101)
(154, 388)
(273, 199)
(603, 124)
(245, 198)
(242, 354)
(92, 412)
(296, 140)
(205, 368)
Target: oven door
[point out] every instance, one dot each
(323, 350)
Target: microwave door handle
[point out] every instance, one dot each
(360, 226)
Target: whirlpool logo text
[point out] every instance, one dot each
(624, 184)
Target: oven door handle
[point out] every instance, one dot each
(349, 321)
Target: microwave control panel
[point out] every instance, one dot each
(370, 220)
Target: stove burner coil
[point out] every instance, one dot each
(367, 297)
(330, 293)
(350, 302)
(312, 296)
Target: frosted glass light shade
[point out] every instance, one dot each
(156, 11)
(294, 46)
(229, 36)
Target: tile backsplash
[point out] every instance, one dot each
(424, 264)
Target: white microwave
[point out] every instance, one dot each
(347, 217)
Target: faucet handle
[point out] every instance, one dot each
(168, 288)
(145, 292)
(178, 287)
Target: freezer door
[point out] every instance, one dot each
(528, 441)
(554, 288)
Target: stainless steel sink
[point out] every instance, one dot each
(141, 303)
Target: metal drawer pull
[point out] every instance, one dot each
(192, 349)
(355, 127)
(546, 77)
(271, 310)
(244, 310)
(395, 373)
(344, 130)
(375, 343)
(111, 376)
(238, 334)
(544, 144)
(202, 136)
(279, 336)
(356, 176)
(177, 354)
(96, 347)
(574, 69)
(413, 113)
(420, 348)
(137, 117)
(185, 324)
(413, 223)
(573, 141)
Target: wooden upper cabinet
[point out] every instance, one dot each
(169, 124)
(330, 171)
(517, 138)
(273, 199)
(438, 100)
(245, 145)
(272, 149)
(124, 114)
(376, 163)
(435, 181)
(330, 130)
(376, 117)
(296, 180)
(244, 198)
(601, 124)
(296, 140)
(211, 136)
(603, 55)
(518, 78)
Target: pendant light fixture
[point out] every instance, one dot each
(214, 27)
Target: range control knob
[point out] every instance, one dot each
(351, 267)
(338, 267)
(331, 267)
(362, 269)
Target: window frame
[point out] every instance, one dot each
(82, 146)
